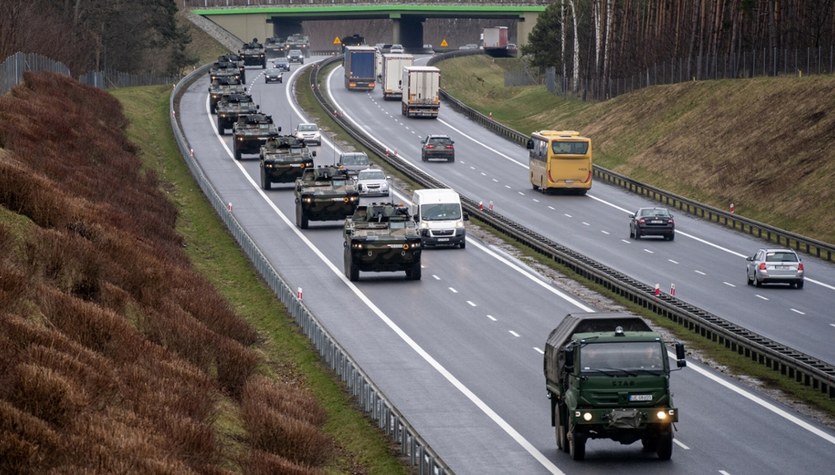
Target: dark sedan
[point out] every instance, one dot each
(273, 75)
(437, 146)
(652, 222)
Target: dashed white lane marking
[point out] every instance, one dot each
(681, 445)
(491, 317)
(729, 284)
(797, 311)
(513, 333)
(535, 200)
(435, 276)
(471, 303)
(699, 272)
(760, 296)
(567, 215)
(538, 350)
(452, 290)
(605, 232)
(625, 241)
(648, 251)
(586, 224)
(552, 208)
(674, 262)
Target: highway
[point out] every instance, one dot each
(460, 352)
(706, 262)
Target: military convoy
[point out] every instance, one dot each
(251, 131)
(232, 106)
(381, 237)
(223, 86)
(284, 159)
(324, 194)
(608, 377)
(254, 54)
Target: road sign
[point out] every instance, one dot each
(444, 44)
(337, 41)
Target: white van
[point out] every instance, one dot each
(440, 217)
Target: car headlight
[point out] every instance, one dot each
(459, 224)
(424, 225)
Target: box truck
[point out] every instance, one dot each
(421, 91)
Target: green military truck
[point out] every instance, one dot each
(224, 69)
(381, 237)
(325, 194)
(238, 60)
(223, 86)
(254, 54)
(283, 160)
(232, 106)
(608, 377)
(250, 132)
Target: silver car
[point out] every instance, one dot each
(775, 266)
(372, 182)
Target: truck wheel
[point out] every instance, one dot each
(220, 129)
(266, 182)
(237, 154)
(414, 272)
(665, 445)
(463, 244)
(562, 438)
(577, 446)
(353, 271)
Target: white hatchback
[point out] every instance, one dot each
(372, 182)
(309, 133)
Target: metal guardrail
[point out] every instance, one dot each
(368, 395)
(781, 237)
(803, 368)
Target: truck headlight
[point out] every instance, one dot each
(661, 415)
(587, 416)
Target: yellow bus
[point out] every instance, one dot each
(560, 160)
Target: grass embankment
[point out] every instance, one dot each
(115, 354)
(765, 144)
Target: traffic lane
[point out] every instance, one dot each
(699, 285)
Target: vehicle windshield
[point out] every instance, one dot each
(308, 128)
(571, 148)
(630, 355)
(440, 211)
(781, 256)
(654, 212)
(372, 175)
(440, 141)
(354, 159)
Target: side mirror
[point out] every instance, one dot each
(680, 355)
(279, 128)
(466, 216)
(314, 153)
(529, 145)
(632, 215)
(749, 258)
(569, 358)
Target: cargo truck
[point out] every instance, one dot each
(421, 91)
(607, 376)
(359, 65)
(494, 41)
(392, 74)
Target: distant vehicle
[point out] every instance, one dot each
(295, 56)
(512, 49)
(421, 91)
(381, 237)
(353, 162)
(254, 54)
(561, 160)
(775, 266)
(372, 182)
(360, 65)
(437, 146)
(324, 194)
(273, 75)
(391, 74)
(309, 132)
(352, 40)
(468, 46)
(283, 160)
(252, 131)
(427, 48)
(223, 86)
(274, 46)
(397, 48)
(652, 222)
(282, 64)
(232, 106)
(440, 217)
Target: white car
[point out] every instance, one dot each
(372, 182)
(309, 133)
(397, 48)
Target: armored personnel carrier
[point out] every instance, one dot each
(237, 59)
(283, 160)
(324, 194)
(251, 131)
(232, 106)
(274, 46)
(608, 377)
(298, 41)
(224, 69)
(223, 86)
(254, 54)
(381, 238)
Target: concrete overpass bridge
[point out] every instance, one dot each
(263, 19)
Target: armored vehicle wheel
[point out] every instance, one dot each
(266, 182)
(353, 272)
(213, 109)
(220, 129)
(577, 446)
(413, 273)
(301, 219)
(237, 154)
(665, 445)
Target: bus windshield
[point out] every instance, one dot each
(570, 148)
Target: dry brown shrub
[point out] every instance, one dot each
(14, 286)
(33, 196)
(188, 440)
(287, 436)
(264, 463)
(293, 401)
(235, 364)
(68, 261)
(25, 440)
(46, 394)
(177, 331)
(199, 298)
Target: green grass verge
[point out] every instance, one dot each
(213, 251)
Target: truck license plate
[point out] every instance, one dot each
(640, 397)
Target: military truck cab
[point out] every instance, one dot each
(607, 376)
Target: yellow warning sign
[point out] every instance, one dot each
(337, 41)
(444, 44)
